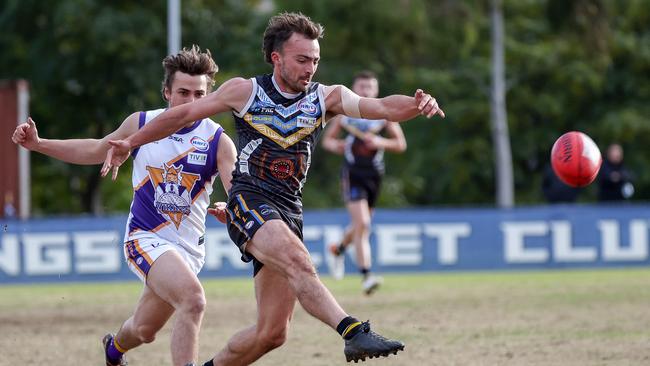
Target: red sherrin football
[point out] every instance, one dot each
(575, 159)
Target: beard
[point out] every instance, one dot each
(295, 85)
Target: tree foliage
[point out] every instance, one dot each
(578, 65)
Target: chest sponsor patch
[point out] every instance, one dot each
(199, 143)
(176, 138)
(265, 119)
(306, 107)
(197, 158)
(306, 121)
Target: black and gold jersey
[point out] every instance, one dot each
(276, 136)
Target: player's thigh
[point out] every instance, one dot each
(275, 245)
(152, 311)
(275, 299)
(173, 280)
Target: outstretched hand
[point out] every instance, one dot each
(115, 157)
(427, 104)
(26, 135)
(219, 211)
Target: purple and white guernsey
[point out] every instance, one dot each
(172, 182)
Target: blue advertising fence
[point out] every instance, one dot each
(405, 240)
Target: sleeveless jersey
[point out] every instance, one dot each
(358, 157)
(276, 136)
(172, 182)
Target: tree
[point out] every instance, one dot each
(90, 65)
(571, 65)
(500, 136)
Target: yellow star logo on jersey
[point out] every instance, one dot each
(172, 189)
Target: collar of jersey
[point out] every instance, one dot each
(188, 129)
(284, 94)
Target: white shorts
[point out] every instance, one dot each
(142, 252)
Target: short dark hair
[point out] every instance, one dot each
(365, 74)
(282, 26)
(189, 61)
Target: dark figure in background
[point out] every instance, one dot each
(614, 180)
(556, 191)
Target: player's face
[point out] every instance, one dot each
(367, 88)
(186, 88)
(615, 154)
(296, 63)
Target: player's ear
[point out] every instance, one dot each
(275, 56)
(167, 94)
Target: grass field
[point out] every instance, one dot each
(510, 318)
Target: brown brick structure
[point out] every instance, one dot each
(13, 108)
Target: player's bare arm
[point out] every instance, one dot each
(341, 100)
(227, 155)
(331, 141)
(395, 142)
(232, 95)
(75, 151)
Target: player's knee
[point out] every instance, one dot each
(272, 338)
(300, 263)
(194, 303)
(362, 225)
(145, 333)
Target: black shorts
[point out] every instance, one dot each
(247, 212)
(360, 186)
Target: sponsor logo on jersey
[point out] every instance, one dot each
(249, 224)
(199, 143)
(197, 158)
(176, 138)
(290, 125)
(266, 119)
(306, 121)
(306, 107)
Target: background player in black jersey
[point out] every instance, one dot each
(361, 175)
(278, 118)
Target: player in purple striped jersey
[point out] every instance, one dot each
(279, 117)
(172, 181)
